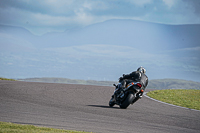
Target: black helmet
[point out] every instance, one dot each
(142, 69)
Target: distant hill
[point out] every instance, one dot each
(153, 84)
(102, 51)
(150, 36)
(173, 84)
(69, 81)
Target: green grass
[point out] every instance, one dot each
(180, 97)
(6, 79)
(17, 128)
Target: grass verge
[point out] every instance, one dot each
(6, 79)
(6, 127)
(185, 98)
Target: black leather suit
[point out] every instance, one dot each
(135, 76)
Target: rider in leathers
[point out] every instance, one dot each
(136, 76)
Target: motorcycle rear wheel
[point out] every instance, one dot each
(127, 101)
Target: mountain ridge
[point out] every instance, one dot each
(126, 32)
(103, 51)
(87, 35)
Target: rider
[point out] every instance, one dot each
(136, 76)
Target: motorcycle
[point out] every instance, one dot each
(132, 92)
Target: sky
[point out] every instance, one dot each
(42, 16)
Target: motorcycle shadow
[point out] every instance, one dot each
(102, 106)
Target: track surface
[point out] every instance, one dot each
(85, 108)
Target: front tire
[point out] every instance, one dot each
(127, 101)
(111, 102)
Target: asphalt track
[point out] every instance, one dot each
(85, 108)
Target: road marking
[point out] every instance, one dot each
(168, 103)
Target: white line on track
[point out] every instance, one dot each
(168, 103)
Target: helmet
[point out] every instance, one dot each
(141, 69)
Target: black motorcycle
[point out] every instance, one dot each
(127, 96)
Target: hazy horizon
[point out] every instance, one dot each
(95, 53)
(100, 40)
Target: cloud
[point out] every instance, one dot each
(191, 49)
(169, 3)
(66, 14)
(193, 4)
(140, 2)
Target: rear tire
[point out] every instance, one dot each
(127, 101)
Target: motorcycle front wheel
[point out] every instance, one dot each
(127, 101)
(111, 102)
